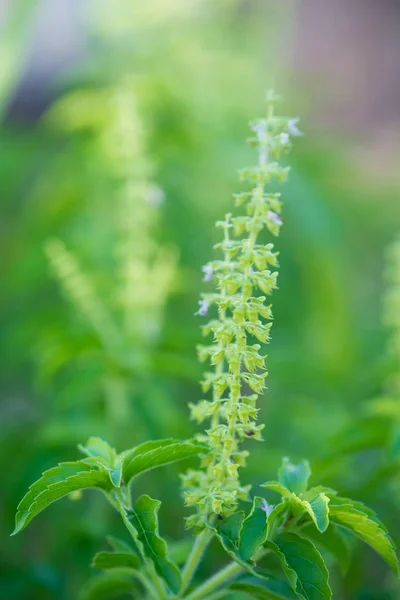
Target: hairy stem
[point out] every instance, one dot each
(220, 578)
(194, 558)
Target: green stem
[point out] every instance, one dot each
(227, 573)
(194, 559)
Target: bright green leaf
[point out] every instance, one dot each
(156, 454)
(253, 532)
(294, 477)
(303, 566)
(115, 560)
(366, 528)
(144, 517)
(54, 484)
(95, 447)
(100, 452)
(275, 486)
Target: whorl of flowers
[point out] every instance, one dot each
(245, 275)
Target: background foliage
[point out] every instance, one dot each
(196, 72)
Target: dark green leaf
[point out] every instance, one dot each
(118, 545)
(144, 517)
(156, 454)
(333, 541)
(228, 533)
(110, 586)
(294, 477)
(303, 566)
(54, 484)
(115, 560)
(268, 590)
(253, 531)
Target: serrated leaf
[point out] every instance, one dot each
(115, 560)
(144, 517)
(333, 541)
(294, 477)
(109, 586)
(360, 506)
(303, 566)
(228, 534)
(253, 531)
(366, 528)
(156, 454)
(54, 484)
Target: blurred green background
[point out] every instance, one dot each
(123, 125)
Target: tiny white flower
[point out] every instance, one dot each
(267, 508)
(284, 139)
(260, 128)
(208, 272)
(293, 130)
(203, 308)
(274, 217)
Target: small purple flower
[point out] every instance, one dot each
(293, 130)
(203, 308)
(267, 508)
(274, 217)
(208, 272)
(284, 138)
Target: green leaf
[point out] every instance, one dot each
(97, 448)
(144, 517)
(119, 545)
(366, 527)
(275, 486)
(294, 477)
(228, 534)
(303, 566)
(333, 541)
(54, 484)
(317, 509)
(100, 452)
(320, 512)
(156, 454)
(269, 590)
(253, 531)
(274, 518)
(115, 560)
(109, 586)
